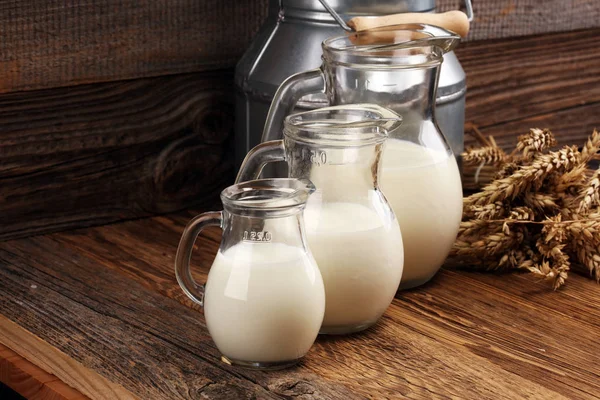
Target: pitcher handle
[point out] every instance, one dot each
(190, 287)
(259, 156)
(286, 97)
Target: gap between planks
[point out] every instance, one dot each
(31, 382)
(53, 361)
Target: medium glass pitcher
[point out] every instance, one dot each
(264, 298)
(351, 229)
(398, 69)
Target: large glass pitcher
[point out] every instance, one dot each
(264, 298)
(351, 229)
(398, 69)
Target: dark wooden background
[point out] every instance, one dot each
(113, 110)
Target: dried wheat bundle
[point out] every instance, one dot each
(540, 212)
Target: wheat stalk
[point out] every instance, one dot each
(541, 202)
(478, 227)
(506, 170)
(488, 245)
(591, 147)
(590, 194)
(484, 155)
(527, 176)
(540, 214)
(488, 211)
(536, 141)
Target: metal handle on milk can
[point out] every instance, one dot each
(469, 9)
(336, 16)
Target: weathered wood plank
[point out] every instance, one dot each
(508, 18)
(29, 380)
(116, 240)
(464, 335)
(548, 81)
(95, 154)
(47, 44)
(51, 43)
(99, 153)
(546, 342)
(153, 346)
(61, 366)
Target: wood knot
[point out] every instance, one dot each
(293, 387)
(215, 124)
(195, 164)
(307, 386)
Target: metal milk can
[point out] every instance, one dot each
(290, 42)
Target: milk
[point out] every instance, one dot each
(423, 187)
(360, 258)
(264, 302)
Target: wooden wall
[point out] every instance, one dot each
(51, 43)
(119, 109)
(115, 109)
(93, 154)
(496, 19)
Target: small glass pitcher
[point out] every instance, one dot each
(264, 299)
(351, 229)
(398, 68)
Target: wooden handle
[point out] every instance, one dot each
(455, 21)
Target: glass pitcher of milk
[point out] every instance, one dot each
(351, 229)
(264, 298)
(396, 67)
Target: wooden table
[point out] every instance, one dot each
(99, 309)
(96, 313)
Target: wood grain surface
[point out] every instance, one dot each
(30, 381)
(40, 357)
(95, 154)
(97, 317)
(52, 43)
(107, 297)
(550, 81)
(508, 18)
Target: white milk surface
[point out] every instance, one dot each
(360, 260)
(264, 302)
(424, 189)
